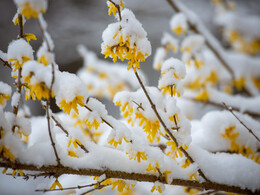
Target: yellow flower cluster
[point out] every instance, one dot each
(67, 106)
(170, 89)
(138, 156)
(115, 143)
(113, 9)
(152, 128)
(174, 152)
(37, 91)
(153, 168)
(7, 153)
(123, 50)
(18, 64)
(234, 147)
(243, 45)
(75, 143)
(28, 11)
(121, 186)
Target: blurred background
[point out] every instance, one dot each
(73, 22)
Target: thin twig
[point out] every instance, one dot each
(19, 83)
(70, 188)
(250, 130)
(54, 170)
(165, 127)
(5, 63)
(50, 134)
(97, 188)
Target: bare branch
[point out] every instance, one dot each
(5, 63)
(231, 111)
(70, 188)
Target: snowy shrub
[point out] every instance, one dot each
(164, 142)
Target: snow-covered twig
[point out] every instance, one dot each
(165, 127)
(19, 83)
(231, 111)
(58, 171)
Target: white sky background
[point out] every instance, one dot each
(73, 22)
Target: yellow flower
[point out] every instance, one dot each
(198, 63)
(30, 36)
(17, 64)
(152, 168)
(186, 163)
(213, 77)
(138, 156)
(56, 183)
(37, 91)
(29, 12)
(115, 143)
(239, 83)
(4, 98)
(113, 8)
(123, 50)
(120, 184)
(230, 134)
(72, 153)
(179, 30)
(158, 188)
(203, 96)
(67, 106)
(43, 60)
(7, 153)
(166, 173)
(171, 89)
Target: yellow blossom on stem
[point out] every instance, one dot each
(30, 12)
(139, 155)
(4, 170)
(114, 143)
(152, 168)
(120, 184)
(37, 91)
(7, 153)
(170, 89)
(67, 106)
(43, 60)
(30, 36)
(203, 96)
(92, 124)
(158, 188)
(179, 30)
(18, 64)
(166, 173)
(56, 183)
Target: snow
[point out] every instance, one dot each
(18, 49)
(15, 99)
